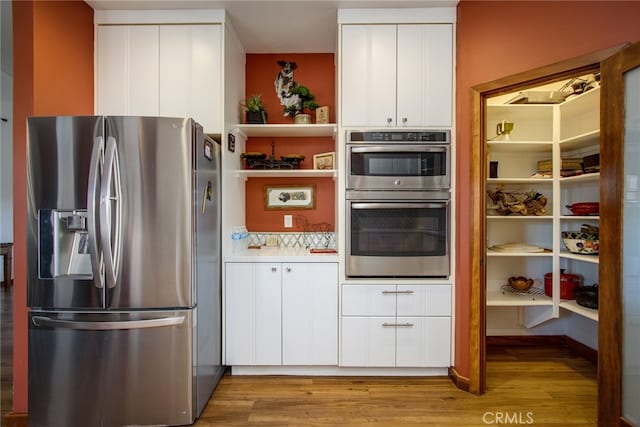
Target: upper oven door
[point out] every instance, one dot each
(397, 166)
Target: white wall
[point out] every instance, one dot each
(234, 86)
(6, 134)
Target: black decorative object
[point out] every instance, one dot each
(261, 161)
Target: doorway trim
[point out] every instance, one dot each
(479, 94)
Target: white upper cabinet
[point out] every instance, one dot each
(191, 73)
(127, 70)
(425, 75)
(397, 75)
(368, 74)
(160, 70)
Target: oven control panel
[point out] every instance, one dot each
(440, 136)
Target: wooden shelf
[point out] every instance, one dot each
(580, 217)
(286, 173)
(588, 138)
(520, 146)
(288, 130)
(520, 217)
(585, 177)
(506, 299)
(545, 253)
(594, 259)
(573, 306)
(494, 181)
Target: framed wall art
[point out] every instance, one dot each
(324, 160)
(290, 196)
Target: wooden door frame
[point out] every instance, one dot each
(611, 226)
(479, 94)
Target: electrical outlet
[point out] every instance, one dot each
(271, 240)
(288, 221)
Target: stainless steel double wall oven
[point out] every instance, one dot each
(397, 203)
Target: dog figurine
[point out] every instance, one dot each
(284, 83)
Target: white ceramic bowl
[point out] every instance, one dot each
(581, 243)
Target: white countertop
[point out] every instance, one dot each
(271, 254)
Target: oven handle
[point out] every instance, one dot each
(400, 148)
(398, 205)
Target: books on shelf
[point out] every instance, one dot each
(568, 166)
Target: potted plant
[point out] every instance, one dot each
(254, 110)
(306, 102)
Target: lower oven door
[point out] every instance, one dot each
(397, 239)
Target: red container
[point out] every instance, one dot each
(568, 284)
(584, 208)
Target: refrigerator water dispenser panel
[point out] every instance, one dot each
(63, 244)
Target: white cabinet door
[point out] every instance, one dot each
(367, 342)
(310, 314)
(191, 73)
(253, 314)
(368, 77)
(425, 75)
(126, 72)
(424, 300)
(423, 342)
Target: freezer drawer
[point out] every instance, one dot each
(111, 369)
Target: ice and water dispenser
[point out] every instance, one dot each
(64, 244)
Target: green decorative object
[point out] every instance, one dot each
(254, 110)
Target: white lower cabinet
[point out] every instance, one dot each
(396, 325)
(310, 314)
(253, 302)
(281, 313)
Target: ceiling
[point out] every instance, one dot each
(283, 26)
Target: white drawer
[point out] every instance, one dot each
(424, 300)
(368, 300)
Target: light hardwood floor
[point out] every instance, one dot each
(541, 386)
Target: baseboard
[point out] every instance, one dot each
(581, 349)
(458, 380)
(530, 340)
(524, 340)
(15, 419)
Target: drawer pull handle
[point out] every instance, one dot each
(397, 292)
(288, 269)
(274, 268)
(397, 325)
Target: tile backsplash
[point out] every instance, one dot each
(295, 240)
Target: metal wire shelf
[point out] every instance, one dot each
(531, 292)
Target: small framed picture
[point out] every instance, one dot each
(322, 114)
(290, 196)
(324, 160)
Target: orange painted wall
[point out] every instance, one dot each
(53, 75)
(317, 72)
(495, 39)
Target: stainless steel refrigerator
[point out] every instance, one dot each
(123, 285)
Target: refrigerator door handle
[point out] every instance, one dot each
(95, 169)
(109, 222)
(107, 326)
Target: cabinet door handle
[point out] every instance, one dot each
(404, 120)
(389, 120)
(288, 269)
(397, 292)
(397, 325)
(274, 269)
